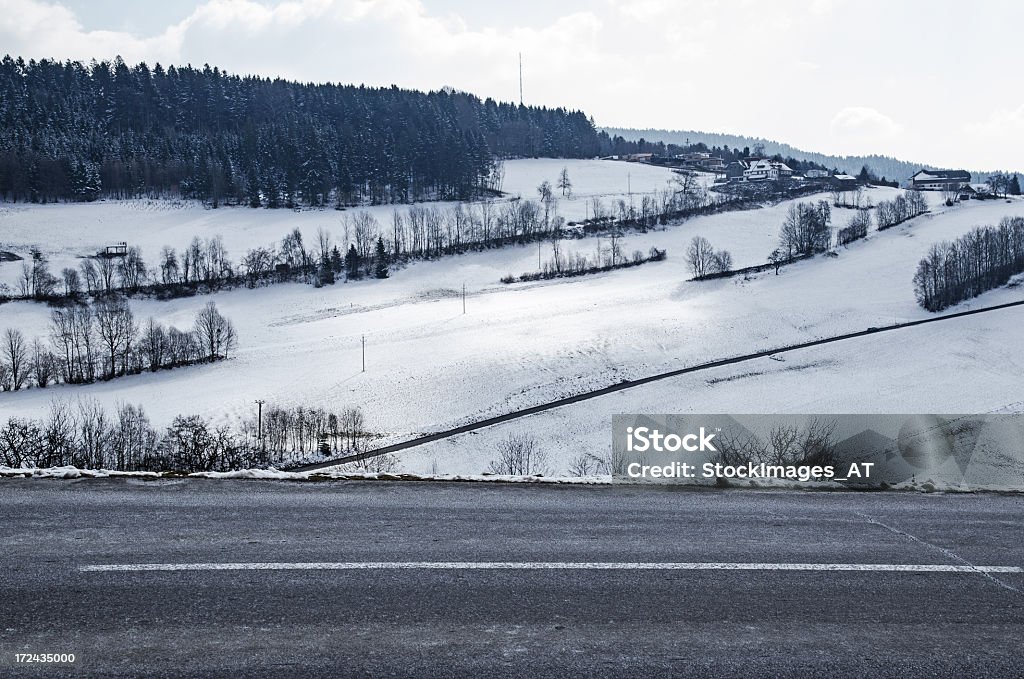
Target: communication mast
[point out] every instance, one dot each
(520, 78)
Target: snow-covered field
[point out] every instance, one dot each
(65, 233)
(430, 367)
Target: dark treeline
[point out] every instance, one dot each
(87, 437)
(983, 259)
(103, 341)
(73, 131)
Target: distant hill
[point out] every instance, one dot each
(75, 131)
(882, 166)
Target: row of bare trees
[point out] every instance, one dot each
(982, 259)
(905, 206)
(856, 229)
(104, 341)
(87, 437)
(297, 431)
(786, 445)
(364, 247)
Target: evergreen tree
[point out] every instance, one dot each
(1014, 186)
(381, 259)
(336, 261)
(353, 264)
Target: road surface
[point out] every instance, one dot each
(390, 579)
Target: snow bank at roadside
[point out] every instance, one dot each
(271, 474)
(67, 473)
(331, 475)
(278, 475)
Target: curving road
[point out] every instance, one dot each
(630, 384)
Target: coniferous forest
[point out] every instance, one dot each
(77, 132)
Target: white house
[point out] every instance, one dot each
(940, 180)
(817, 174)
(766, 170)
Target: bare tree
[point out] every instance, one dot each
(547, 201)
(132, 437)
(72, 282)
(131, 269)
(722, 261)
(106, 268)
(116, 325)
(351, 423)
(258, 261)
(90, 275)
(216, 334)
(700, 256)
(169, 270)
(323, 240)
(43, 363)
(564, 183)
(520, 455)
(365, 228)
(16, 353)
(155, 344)
(36, 280)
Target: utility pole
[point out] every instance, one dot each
(364, 353)
(463, 298)
(259, 418)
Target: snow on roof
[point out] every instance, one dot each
(845, 176)
(764, 164)
(926, 175)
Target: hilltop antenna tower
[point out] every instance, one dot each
(520, 78)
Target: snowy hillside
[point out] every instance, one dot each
(66, 232)
(429, 366)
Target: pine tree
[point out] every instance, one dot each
(1014, 187)
(336, 261)
(381, 259)
(353, 264)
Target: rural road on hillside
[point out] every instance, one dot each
(639, 382)
(391, 579)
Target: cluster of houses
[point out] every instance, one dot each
(766, 170)
(752, 169)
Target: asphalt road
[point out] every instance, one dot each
(600, 617)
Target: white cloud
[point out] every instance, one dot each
(777, 69)
(863, 123)
(255, 17)
(1002, 125)
(36, 29)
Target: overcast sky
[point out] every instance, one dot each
(933, 81)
